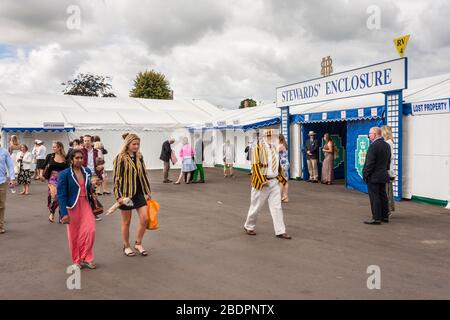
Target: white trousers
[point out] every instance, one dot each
(270, 192)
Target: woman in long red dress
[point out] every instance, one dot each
(74, 191)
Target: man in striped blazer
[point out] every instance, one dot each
(266, 176)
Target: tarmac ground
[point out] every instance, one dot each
(201, 251)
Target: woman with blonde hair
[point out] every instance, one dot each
(13, 148)
(187, 165)
(14, 144)
(386, 132)
(131, 181)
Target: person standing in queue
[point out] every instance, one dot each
(165, 157)
(131, 181)
(312, 156)
(376, 175)
(74, 191)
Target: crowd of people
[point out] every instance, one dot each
(192, 159)
(75, 179)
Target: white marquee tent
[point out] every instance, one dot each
(426, 144)
(63, 118)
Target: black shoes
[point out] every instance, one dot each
(284, 236)
(385, 220)
(167, 181)
(373, 222)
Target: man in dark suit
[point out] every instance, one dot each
(166, 154)
(312, 156)
(375, 174)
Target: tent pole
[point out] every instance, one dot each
(448, 200)
(3, 141)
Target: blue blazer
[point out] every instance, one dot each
(69, 189)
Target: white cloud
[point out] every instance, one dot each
(222, 51)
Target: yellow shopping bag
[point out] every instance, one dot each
(152, 209)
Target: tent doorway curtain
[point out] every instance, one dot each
(338, 132)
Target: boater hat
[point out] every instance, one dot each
(311, 133)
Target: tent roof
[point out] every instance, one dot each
(431, 88)
(94, 112)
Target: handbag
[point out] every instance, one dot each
(152, 210)
(97, 207)
(47, 173)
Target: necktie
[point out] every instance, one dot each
(274, 160)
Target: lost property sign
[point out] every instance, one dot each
(430, 107)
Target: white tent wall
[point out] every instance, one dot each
(238, 137)
(47, 137)
(28, 139)
(295, 151)
(151, 143)
(426, 156)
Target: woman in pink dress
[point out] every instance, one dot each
(74, 191)
(187, 165)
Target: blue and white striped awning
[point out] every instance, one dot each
(366, 113)
(11, 129)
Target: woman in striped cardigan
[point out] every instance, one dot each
(131, 181)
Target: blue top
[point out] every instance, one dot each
(6, 163)
(69, 189)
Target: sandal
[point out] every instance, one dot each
(143, 252)
(130, 253)
(89, 265)
(51, 217)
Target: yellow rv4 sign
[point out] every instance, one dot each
(400, 44)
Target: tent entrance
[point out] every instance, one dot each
(338, 132)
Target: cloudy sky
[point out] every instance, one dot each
(219, 50)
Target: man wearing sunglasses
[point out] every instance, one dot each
(375, 174)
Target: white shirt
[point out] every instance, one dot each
(39, 152)
(26, 160)
(270, 173)
(90, 160)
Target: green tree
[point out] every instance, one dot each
(90, 85)
(247, 103)
(151, 85)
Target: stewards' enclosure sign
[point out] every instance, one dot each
(382, 77)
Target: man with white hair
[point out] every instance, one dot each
(166, 155)
(267, 174)
(376, 175)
